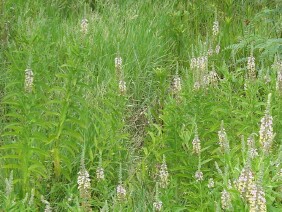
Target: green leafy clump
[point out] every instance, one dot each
(140, 105)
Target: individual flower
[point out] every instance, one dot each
(225, 200)
(29, 77)
(199, 176)
(211, 183)
(84, 26)
(266, 128)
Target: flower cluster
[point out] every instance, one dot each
(223, 141)
(158, 205)
(84, 186)
(121, 82)
(266, 128)
(84, 26)
(9, 184)
(121, 192)
(163, 174)
(213, 77)
(176, 84)
(256, 199)
(217, 49)
(199, 176)
(118, 66)
(122, 86)
(245, 181)
(252, 151)
(211, 183)
(200, 63)
(28, 80)
(279, 81)
(196, 142)
(47, 205)
(100, 174)
(225, 200)
(83, 181)
(251, 67)
(215, 28)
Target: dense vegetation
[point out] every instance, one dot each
(141, 105)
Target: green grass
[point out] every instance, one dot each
(76, 111)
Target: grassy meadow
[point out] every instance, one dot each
(141, 105)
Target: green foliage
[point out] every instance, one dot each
(75, 113)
